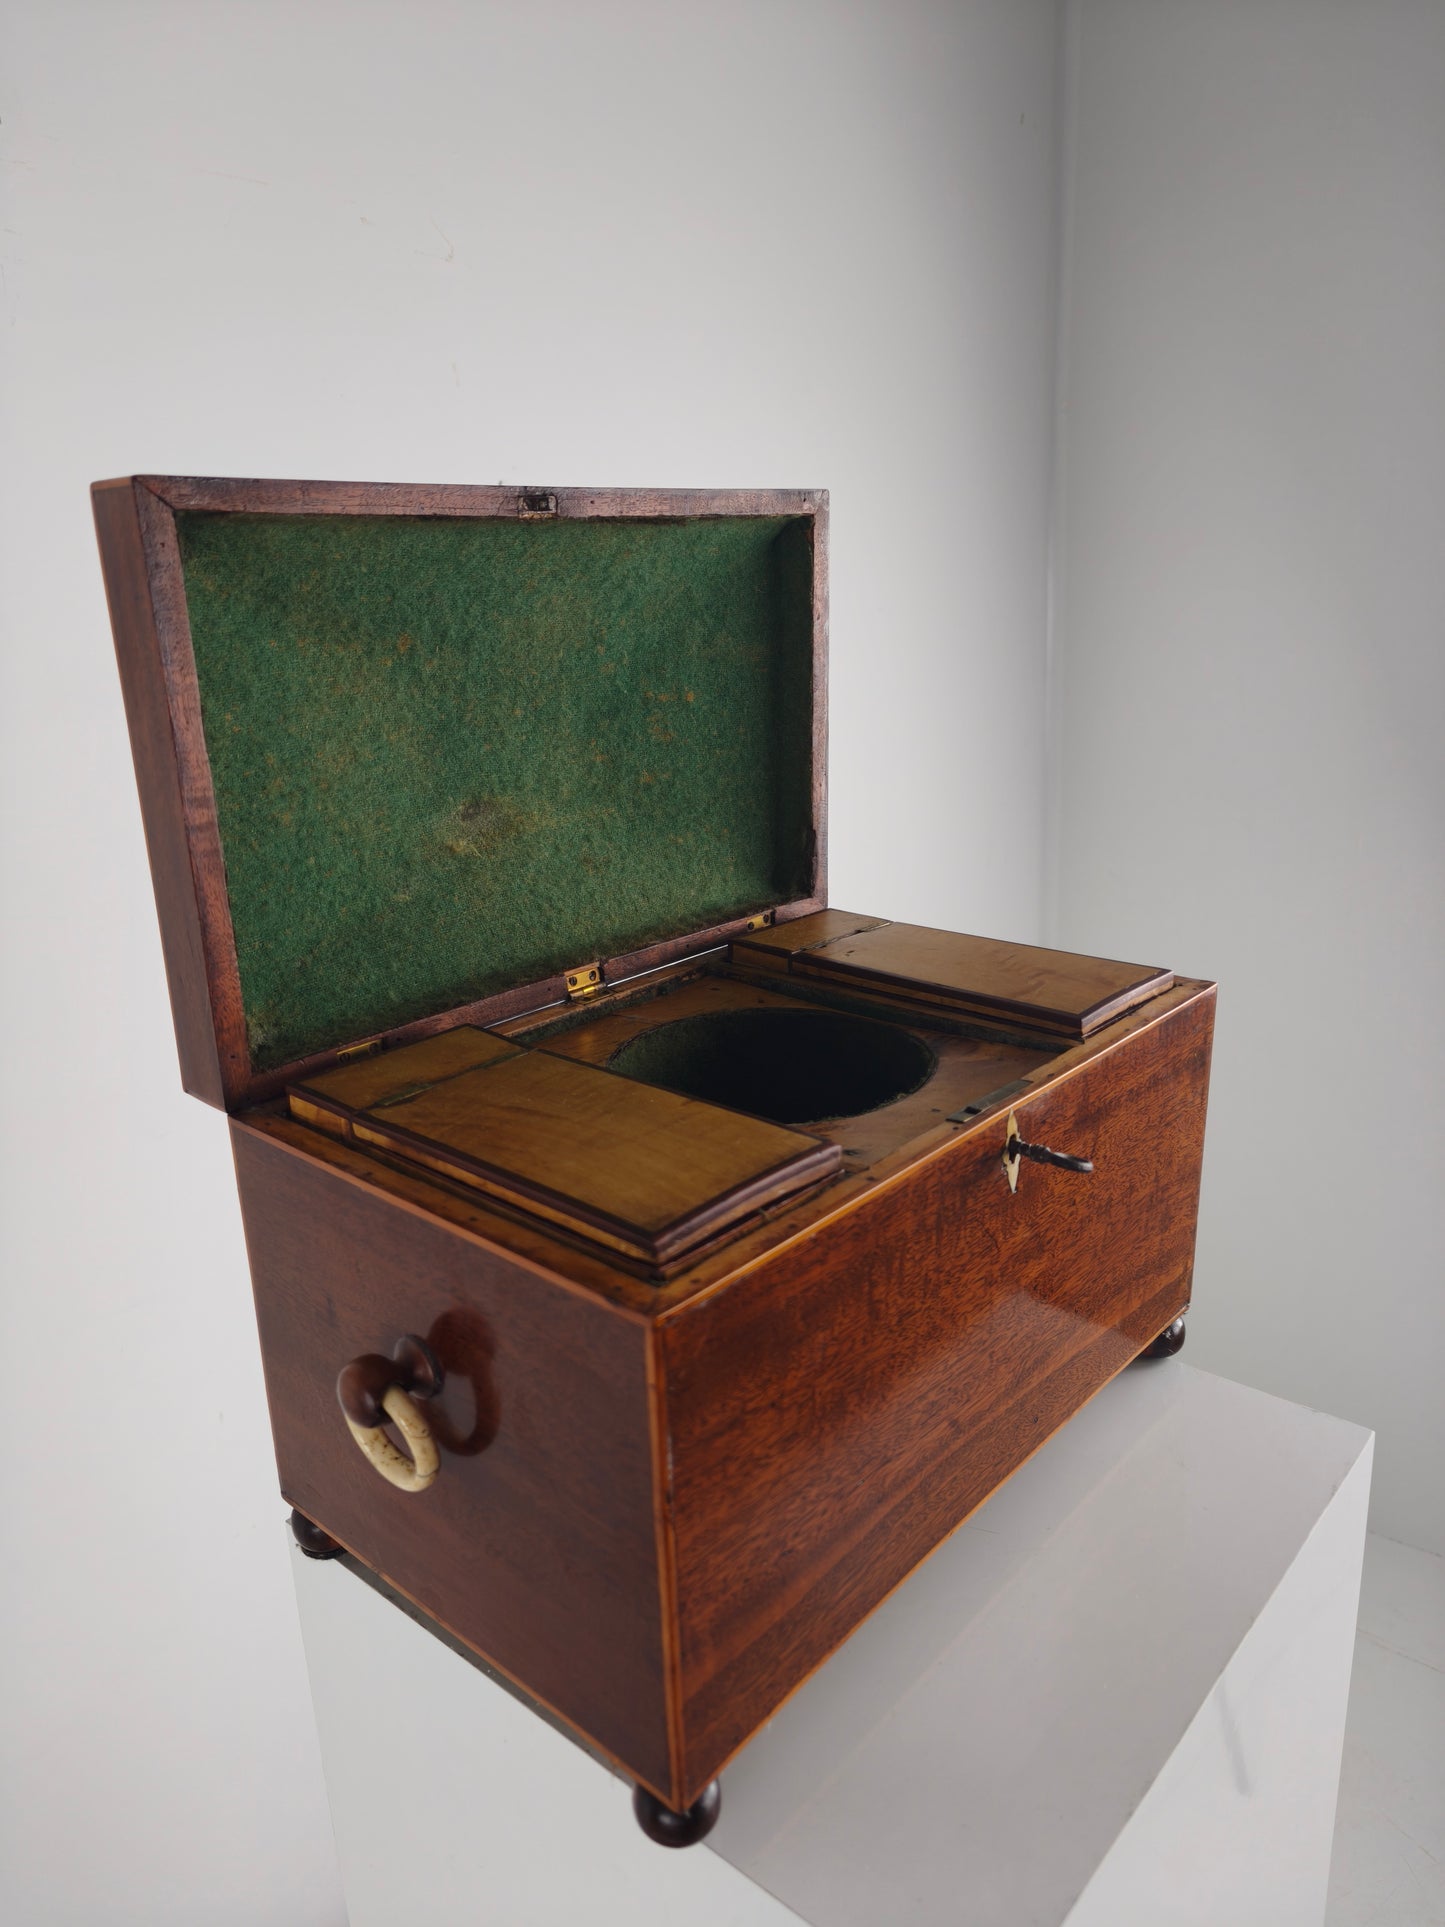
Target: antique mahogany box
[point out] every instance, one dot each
(652, 1263)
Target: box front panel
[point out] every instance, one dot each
(836, 1413)
(536, 1543)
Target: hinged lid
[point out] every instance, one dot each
(407, 754)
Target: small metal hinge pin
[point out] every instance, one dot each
(584, 981)
(366, 1049)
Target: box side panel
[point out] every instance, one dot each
(536, 1544)
(839, 1410)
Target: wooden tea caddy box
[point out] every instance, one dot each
(652, 1263)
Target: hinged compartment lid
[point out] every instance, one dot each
(410, 755)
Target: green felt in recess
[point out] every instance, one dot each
(454, 756)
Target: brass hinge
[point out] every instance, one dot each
(584, 981)
(760, 921)
(358, 1050)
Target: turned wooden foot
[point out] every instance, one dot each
(670, 1829)
(315, 1543)
(1169, 1341)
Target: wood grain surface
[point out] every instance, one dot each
(222, 494)
(589, 1268)
(385, 1076)
(780, 941)
(639, 1169)
(967, 1068)
(804, 1414)
(838, 1410)
(141, 568)
(536, 1543)
(660, 1506)
(585, 1270)
(1054, 991)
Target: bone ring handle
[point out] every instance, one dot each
(412, 1474)
(373, 1389)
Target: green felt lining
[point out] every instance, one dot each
(453, 756)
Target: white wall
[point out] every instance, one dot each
(1250, 654)
(767, 242)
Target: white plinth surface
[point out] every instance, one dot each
(1116, 1696)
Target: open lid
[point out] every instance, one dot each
(409, 755)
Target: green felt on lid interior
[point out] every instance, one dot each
(452, 756)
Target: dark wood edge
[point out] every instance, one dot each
(668, 1242)
(198, 796)
(790, 912)
(158, 674)
(1108, 1008)
(132, 528)
(892, 1006)
(656, 1256)
(816, 963)
(819, 893)
(221, 494)
(672, 1692)
(567, 1243)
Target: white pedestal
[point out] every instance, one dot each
(1116, 1696)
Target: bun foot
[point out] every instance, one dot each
(670, 1829)
(315, 1543)
(1169, 1341)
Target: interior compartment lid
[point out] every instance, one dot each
(407, 755)
(1057, 993)
(638, 1170)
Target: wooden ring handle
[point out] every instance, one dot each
(372, 1390)
(412, 1474)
